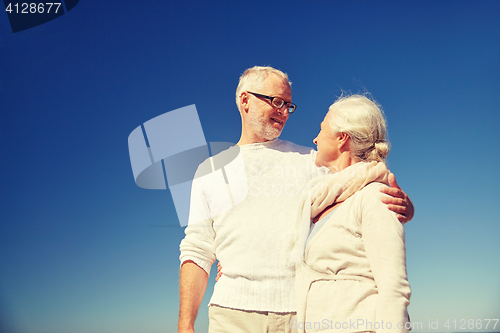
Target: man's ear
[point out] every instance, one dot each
(244, 99)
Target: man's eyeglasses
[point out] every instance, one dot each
(276, 102)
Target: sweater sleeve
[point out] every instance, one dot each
(198, 244)
(384, 241)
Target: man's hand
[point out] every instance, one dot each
(398, 201)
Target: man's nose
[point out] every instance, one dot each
(284, 110)
(315, 141)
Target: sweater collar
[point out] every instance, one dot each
(262, 145)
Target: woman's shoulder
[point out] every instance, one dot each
(370, 195)
(373, 187)
(370, 203)
(370, 190)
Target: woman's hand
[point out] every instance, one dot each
(398, 201)
(219, 271)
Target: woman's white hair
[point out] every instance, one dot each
(253, 79)
(364, 121)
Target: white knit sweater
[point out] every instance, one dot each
(253, 240)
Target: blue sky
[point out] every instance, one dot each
(83, 249)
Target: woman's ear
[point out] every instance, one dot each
(343, 138)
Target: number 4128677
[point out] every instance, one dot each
(33, 8)
(470, 324)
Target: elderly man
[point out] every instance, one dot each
(253, 240)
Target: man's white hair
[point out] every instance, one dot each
(253, 79)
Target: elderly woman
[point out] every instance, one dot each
(350, 253)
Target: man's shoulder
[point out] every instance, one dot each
(222, 156)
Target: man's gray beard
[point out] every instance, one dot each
(263, 129)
